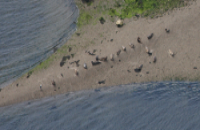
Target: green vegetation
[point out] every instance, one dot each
(84, 19)
(147, 7)
(125, 9)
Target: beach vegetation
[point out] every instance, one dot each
(124, 9)
(83, 19)
(88, 2)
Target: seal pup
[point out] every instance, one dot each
(131, 45)
(76, 62)
(90, 53)
(76, 72)
(124, 48)
(154, 59)
(167, 30)
(118, 52)
(97, 58)
(138, 39)
(138, 69)
(85, 66)
(112, 57)
(103, 58)
(95, 63)
(101, 82)
(150, 36)
(171, 53)
(40, 87)
(54, 85)
(149, 52)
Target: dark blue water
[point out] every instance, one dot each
(152, 106)
(30, 30)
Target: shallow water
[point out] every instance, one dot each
(152, 106)
(29, 32)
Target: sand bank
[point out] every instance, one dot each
(106, 39)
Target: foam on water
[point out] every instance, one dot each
(30, 30)
(152, 106)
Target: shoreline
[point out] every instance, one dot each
(182, 40)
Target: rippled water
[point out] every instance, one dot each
(153, 106)
(29, 30)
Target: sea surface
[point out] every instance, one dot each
(150, 106)
(30, 30)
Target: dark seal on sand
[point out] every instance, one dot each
(138, 69)
(167, 30)
(139, 40)
(95, 62)
(150, 36)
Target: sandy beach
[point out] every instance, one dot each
(105, 39)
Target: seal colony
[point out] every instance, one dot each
(99, 60)
(108, 55)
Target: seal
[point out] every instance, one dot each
(53, 83)
(103, 58)
(97, 58)
(138, 39)
(40, 87)
(138, 69)
(92, 54)
(119, 23)
(118, 52)
(95, 63)
(112, 57)
(76, 62)
(149, 52)
(101, 82)
(150, 36)
(167, 30)
(171, 53)
(85, 66)
(76, 72)
(154, 59)
(124, 48)
(131, 45)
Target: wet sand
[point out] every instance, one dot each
(106, 39)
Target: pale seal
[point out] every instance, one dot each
(103, 58)
(112, 57)
(171, 53)
(131, 45)
(154, 59)
(85, 66)
(41, 87)
(119, 23)
(149, 52)
(76, 72)
(124, 48)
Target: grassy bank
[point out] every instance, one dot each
(124, 9)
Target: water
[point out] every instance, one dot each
(152, 106)
(29, 32)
